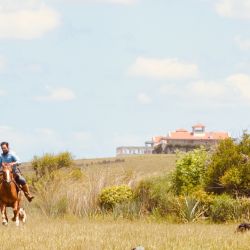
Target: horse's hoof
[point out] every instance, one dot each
(5, 223)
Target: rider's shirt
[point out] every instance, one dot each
(8, 158)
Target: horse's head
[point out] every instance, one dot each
(7, 172)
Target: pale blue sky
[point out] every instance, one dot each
(90, 75)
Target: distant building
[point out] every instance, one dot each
(181, 139)
(140, 150)
(184, 140)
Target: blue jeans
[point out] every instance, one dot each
(18, 177)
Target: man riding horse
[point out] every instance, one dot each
(13, 161)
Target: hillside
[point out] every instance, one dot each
(139, 166)
(142, 165)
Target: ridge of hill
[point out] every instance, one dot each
(141, 165)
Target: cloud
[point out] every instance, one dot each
(233, 89)
(57, 94)
(38, 141)
(34, 68)
(2, 63)
(144, 98)
(2, 92)
(115, 2)
(44, 131)
(207, 88)
(126, 2)
(127, 140)
(238, 9)
(26, 20)
(168, 89)
(244, 44)
(82, 136)
(4, 128)
(163, 68)
(241, 84)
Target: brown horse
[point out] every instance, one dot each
(10, 195)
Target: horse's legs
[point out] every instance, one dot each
(5, 212)
(16, 213)
(4, 215)
(22, 215)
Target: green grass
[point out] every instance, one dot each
(44, 233)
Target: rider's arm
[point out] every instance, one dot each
(15, 160)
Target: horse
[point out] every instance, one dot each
(10, 196)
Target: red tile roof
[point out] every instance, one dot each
(190, 136)
(198, 125)
(183, 134)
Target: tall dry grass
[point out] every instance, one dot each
(65, 195)
(79, 196)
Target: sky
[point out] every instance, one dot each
(87, 76)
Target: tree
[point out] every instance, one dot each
(190, 171)
(229, 167)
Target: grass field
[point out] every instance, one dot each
(72, 233)
(42, 232)
(141, 165)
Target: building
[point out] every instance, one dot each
(185, 140)
(181, 139)
(140, 150)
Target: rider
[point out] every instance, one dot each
(13, 160)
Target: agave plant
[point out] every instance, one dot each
(191, 210)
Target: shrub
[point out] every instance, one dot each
(223, 208)
(229, 168)
(190, 209)
(225, 157)
(154, 193)
(190, 171)
(48, 163)
(111, 196)
(156, 197)
(244, 209)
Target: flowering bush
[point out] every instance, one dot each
(111, 196)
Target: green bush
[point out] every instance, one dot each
(229, 168)
(244, 209)
(190, 171)
(111, 196)
(154, 193)
(224, 208)
(190, 209)
(49, 163)
(156, 198)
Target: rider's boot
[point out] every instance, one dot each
(27, 194)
